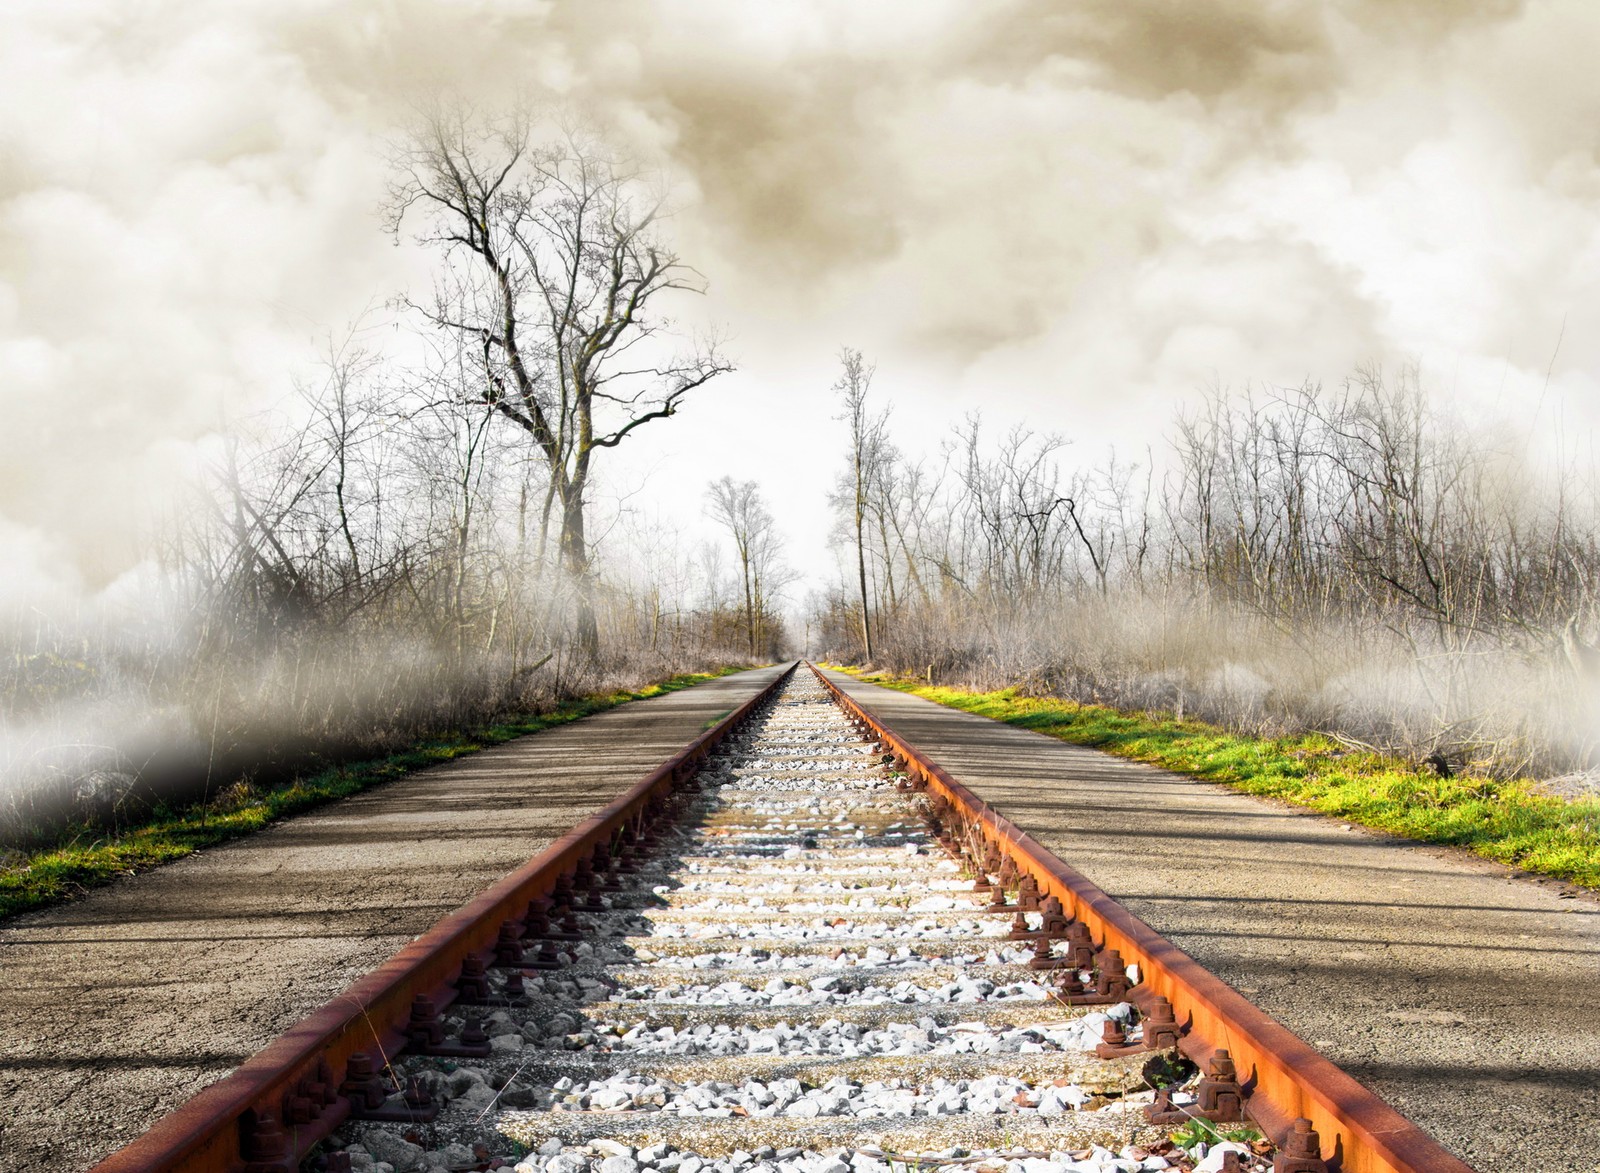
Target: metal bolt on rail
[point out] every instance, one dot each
(1053, 923)
(368, 1093)
(1161, 1029)
(1300, 1151)
(1114, 1041)
(1219, 1097)
(472, 987)
(546, 958)
(264, 1145)
(267, 1117)
(1080, 946)
(1109, 986)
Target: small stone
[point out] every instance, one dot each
(619, 1165)
(392, 1150)
(1212, 1163)
(476, 1098)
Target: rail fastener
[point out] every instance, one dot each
(1317, 1115)
(269, 1113)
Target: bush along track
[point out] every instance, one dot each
(1506, 821)
(86, 857)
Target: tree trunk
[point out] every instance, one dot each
(861, 572)
(575, 556)
(749, 602)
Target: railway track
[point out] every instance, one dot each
(796, 948)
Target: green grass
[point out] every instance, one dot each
(88, 857)
(1506, 821)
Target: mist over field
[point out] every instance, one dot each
(252, 510)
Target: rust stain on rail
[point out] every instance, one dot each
(269, 1113)
(1285, 1077)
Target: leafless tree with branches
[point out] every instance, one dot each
(553, 265)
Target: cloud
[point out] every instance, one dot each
(1263, 58)
(1071, 214)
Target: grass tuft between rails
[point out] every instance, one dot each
(1506, 821)
(89, 857)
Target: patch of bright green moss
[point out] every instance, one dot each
(1508, 821)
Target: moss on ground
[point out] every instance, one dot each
(1507, 821)
(87, 857)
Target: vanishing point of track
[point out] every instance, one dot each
(796, 947)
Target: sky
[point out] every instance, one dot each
(1075, 216)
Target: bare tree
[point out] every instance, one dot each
(866, 439)
(738, 508)
(1354, 560)
(554, 261)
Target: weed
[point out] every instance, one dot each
(1198, 1131)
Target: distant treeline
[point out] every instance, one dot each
(1352, 560)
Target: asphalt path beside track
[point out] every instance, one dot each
(117, 1008)
(1466, 996)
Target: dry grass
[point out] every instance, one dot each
(86, 855)
(1502, 709)
(103, 731)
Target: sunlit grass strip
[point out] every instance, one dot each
(1506, 821)
(88, 857)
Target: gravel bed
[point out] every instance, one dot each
(902, 958)
(801, 981)
(829, 990)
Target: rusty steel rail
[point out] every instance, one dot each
(268, 1114)
(1283, 1078)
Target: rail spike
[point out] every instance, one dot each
(270, 1114)
(1387, 1142)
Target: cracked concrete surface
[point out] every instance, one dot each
(1464, 995)
(117, 1008)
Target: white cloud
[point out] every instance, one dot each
(1074, 221)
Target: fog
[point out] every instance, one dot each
(1078, 220)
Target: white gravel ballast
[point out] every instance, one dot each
(798, 980)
